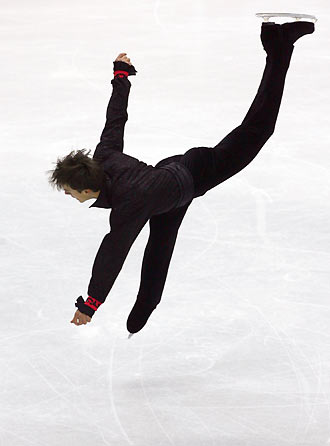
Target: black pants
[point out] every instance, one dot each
(211, 166)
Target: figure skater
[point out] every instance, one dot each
(137, 192)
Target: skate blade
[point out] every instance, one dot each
(130, 335)
(267, 15)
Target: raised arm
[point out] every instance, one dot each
(112, 136)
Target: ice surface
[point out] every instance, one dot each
(237, 353)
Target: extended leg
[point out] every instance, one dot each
(242, 145)
(211, 166)
(156, 261)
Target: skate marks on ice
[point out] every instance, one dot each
(157, 409)
(152, 405)
(267, 15)
(111, 395)
(299, 365)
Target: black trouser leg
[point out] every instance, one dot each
(211, 166)
(156, 261)
(158, 253)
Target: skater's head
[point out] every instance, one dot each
(77, 175)
(86, 194)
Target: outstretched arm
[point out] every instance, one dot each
(125, 227)
(112, 136)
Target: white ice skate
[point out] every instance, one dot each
(267, 15)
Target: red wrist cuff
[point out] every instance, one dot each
(121, 73)
(93, 303)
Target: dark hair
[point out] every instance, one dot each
(78, 171)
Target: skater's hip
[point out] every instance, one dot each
(184, 179)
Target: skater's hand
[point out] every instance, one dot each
(80, 318)
(122, 58)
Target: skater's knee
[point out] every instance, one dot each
(261, 134)
(270, 130)
(260, 131)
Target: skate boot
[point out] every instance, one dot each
(294, 30)
(276, 38)
(139, 316)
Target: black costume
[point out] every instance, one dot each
(138, 192)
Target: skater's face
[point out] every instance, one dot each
(82, 196)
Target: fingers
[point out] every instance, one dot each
(125, 59)
(80, 318)
(122, 57)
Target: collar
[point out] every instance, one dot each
(104, 199)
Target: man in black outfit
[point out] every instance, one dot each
(196, 171)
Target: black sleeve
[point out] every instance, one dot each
(112, 136)
(112, 254)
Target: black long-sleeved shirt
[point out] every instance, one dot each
(134, 190)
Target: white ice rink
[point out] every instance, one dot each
(238, 351)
